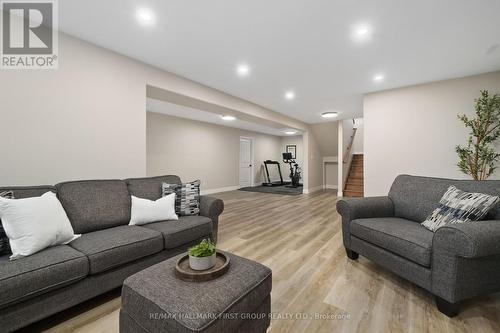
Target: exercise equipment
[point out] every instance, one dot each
(269, 182)
(294, 170)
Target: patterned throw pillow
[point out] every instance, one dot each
(457, 206)
(4, 240)
(187, 197)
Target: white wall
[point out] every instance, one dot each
(199, 150)
(331, 175)
(347, 134)
(313, 177)
(84, 120)
(326, 138)
(87, 119)
(414, 130)
(326, 135)
(357, 147)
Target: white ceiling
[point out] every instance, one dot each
(303, 45)
(157, 106)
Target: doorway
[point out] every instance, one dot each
(246, 162)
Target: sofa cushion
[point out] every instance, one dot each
(95, 204)
(22, 192)
(150, 188)
(182, 231)
(416, 197)
(400, 236)
(116, 246)
(39, 273)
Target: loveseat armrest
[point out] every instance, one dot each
(469, 240)
(212, 207)
(357, 208)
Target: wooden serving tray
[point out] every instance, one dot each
(185, 273)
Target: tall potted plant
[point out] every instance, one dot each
(479, 157)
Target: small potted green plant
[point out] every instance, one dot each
(202, 256)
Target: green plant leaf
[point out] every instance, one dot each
(204, 249)
(478, 159)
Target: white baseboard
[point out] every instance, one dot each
(219, 190)
(313, 189)
(331, 187)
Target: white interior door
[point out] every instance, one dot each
(246, 163)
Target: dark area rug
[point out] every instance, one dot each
(274, 190)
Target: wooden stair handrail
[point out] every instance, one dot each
(349, 147)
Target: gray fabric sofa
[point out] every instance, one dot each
(455, 263)
(108, 251)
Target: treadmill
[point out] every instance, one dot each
(269, 182)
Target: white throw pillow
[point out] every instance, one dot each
(147, 211)
(33, 224)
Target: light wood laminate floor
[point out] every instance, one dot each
(300, 239)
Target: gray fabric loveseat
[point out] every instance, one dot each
(457, 262)
(108, 251)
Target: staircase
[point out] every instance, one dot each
(354, 184)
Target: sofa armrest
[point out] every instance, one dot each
(212, 207)
(469, 240)
(465, 260)
(357, 208)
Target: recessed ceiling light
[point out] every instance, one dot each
(379, 78)
(329, 114)
(145, 16)
(290, 132)
(361, 32)
(228, 117)
(243, 70)
(289, 95)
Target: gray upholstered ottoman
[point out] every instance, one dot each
(155, 300)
